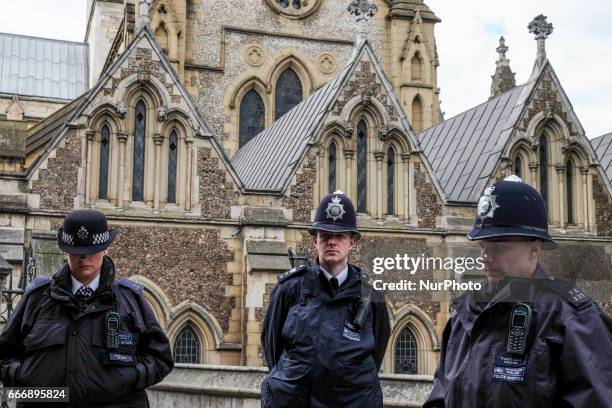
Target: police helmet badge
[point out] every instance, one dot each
(335, 210)
(82, 233)
(487, 204)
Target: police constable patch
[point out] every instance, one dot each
(508, 368)
(335, 210)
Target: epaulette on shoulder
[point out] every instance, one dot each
(133, 286)
(568, 291)
(37, 283)
(292, 272)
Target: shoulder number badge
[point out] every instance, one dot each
(335, 210)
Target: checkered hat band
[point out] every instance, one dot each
(97, 239)
(101, 238)
(67, 239)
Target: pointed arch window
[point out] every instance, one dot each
(543, 153)
(161, 34)
(518, 166)
(104, 156)
(362, 154)
(139, 152)
(417, 114)
(406, 353)
(390, 181)
(172, 155)
(332, 164)
(569, 180)
(288, 92)
(187, 347)
(416, 67)
(252, 116)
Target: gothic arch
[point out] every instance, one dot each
(425, 335)
(298, 63)
(417, 112)
(153, 86)
(157, 299)
(203, 324)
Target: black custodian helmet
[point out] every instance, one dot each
(336, 213)
(85, 232)
(511, 208)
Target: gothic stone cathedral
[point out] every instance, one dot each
(207, 132)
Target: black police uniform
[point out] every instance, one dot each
(568, 357)
(55, 340)
(316, 354)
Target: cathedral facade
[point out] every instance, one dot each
(208, 131)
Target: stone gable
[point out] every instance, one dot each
(186, 263)
(57, 184)
(217, 192)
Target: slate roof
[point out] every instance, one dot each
(268, 161)
(51, 126)
(464, 150)
(603, 148)
(42, 67)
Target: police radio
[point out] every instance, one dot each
(111, 330)
(362, 311)
(519, 329)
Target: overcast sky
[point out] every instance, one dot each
(579, 47)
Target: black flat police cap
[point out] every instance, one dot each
(85, 232)
(336, 213)
(511, 208)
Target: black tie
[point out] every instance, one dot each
(334, 285)
(84, 292)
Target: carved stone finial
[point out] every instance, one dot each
(143, 17)
(363, 10)
(503, 79)
(542, 29)
(502, 49)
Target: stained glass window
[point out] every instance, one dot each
(288, 92)
(332, 168)
(518, 167)
(104, 153)
(362, 154)
(172, 153)
(139, 152)
(390, 181)
(406, 353)
(187, 347)
(252, 116)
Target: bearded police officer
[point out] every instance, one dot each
(325, 333)
(526, 339)
(83, 329)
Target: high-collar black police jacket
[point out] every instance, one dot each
(568, 362)
(316, 355)
(54, 340)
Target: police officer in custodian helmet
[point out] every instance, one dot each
(525, 339)
(324, 336)
(83, 329)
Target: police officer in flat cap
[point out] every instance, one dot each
(526, 339)
(325, 333)
(84, 329)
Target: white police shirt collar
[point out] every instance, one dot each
(76, 284)
(342, 276)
